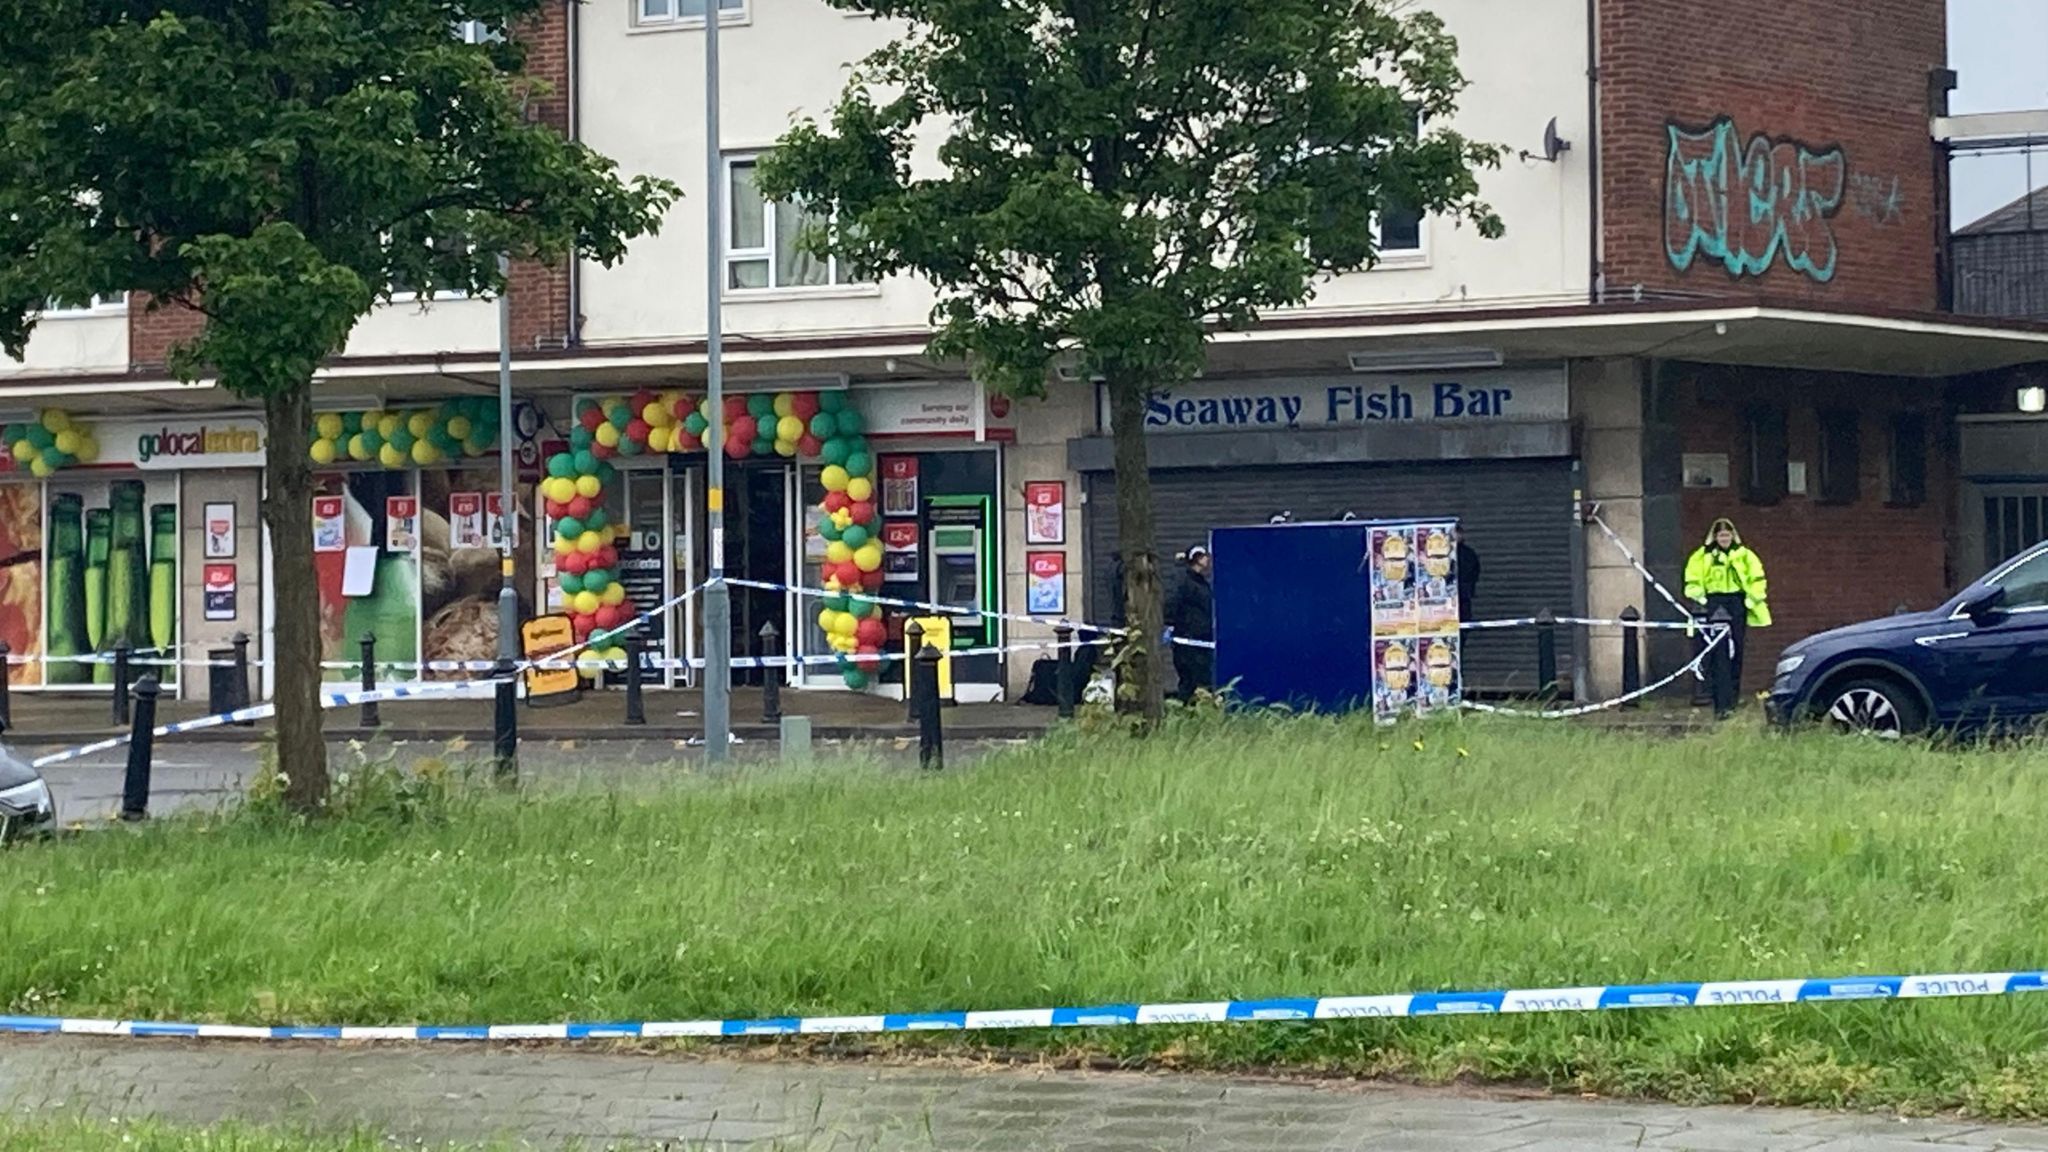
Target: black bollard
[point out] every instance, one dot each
(135, 785)
(771, 675)
(913, 643)
(505, 725)
(931, 741)
(243, 698)
(1721, 664)
(1063, 677)
(6, 674)
(121, 673)
(636, 704)
(369, 642)
(1546, 654)
(1631, 654)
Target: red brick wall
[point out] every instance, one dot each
(152, 334)
(1828, 564)
(540, 294)
(1828, 74)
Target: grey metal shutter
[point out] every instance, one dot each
(1517, 515)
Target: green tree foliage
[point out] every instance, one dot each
(1119, 179)
(278, 165)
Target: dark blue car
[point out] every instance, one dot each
(1977, 663)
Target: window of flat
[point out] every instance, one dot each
(91, 306)
(1841, 456)
(683, 13)
(403, 291)
(1908, 460)
(763, 245)
(1764, 455)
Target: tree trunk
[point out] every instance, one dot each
(288, 511)
(1143, 611)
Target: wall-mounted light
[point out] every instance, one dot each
(1426, 360)
(2032, 399)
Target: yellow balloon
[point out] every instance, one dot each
(24, 451)
(373, 421)
(323, 451)
(785, 407)
(657, 416)
(868, 557)
(614, 593)
(357, 448)
(589, 543)
(424, 452)
(845, 625)
(585, 602)
(55, 421)
(420, 423)
(837, 552)
(842, 519)
(39, 467)
(860, 488)
(832, 584)
(390, 457)
(88, 450)
(607, 435)
(657, 439)
(786, 449)
(589, 663)
(328, 424)
(564, 546)
(835, 478)
(459, 427)
(825, 618)
(67, 441)
(789, 428)
(588, 486)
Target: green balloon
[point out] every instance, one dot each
(760, 405)
(854, 536)
(831, 401)
(571, 583)
(10, 433)
(477, 445)
(403, 439)
(828, 529)
(764, 447)
(40, 436)
(834, 451)
(824, 426)
(836, 602)
(596, 521)
(862, 607)
(596, 580)
(580, 438)
(372, 440)
(620, 416)
(855, 678)
(628, 447)
(583, 463)
(562, 466)
(607, 472)
(859, 464)
(351, 423)
(569, 527)
(52, 457)
(443, 439)
(695, 424)
(849, 422)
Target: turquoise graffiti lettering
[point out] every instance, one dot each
(1751, 205)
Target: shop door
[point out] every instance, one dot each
(680, 626)
(643, 558)
(759, 547)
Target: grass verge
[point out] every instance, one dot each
(1221, 859)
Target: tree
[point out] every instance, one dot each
(1122, 178)
(278, 165)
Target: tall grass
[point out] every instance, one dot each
(1238, 858)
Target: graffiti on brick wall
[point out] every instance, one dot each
(1878, 199)
(1749, 205)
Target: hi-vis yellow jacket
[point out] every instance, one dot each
(1714, 571)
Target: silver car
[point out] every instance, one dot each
(26, 807)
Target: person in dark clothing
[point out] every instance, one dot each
(1191, 613)
(1468, 579)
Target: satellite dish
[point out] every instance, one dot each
(1553, 144)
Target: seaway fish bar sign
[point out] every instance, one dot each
(1508, 394)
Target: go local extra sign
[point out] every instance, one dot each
(1506, 394)
(159, 445)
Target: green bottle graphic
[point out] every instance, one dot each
(127, 571)
(163, 576)
(66, 575)
(99, 528)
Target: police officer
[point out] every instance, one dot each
(1724, 573)
(1191, 613)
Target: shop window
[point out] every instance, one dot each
(1764, 454)
(1908, 459)
(1841, 456)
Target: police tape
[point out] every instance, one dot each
(1648, 576)
(1412, 1005)
(1715, 635)
(460, 690)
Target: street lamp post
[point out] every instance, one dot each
(717, 599)
(508, 519)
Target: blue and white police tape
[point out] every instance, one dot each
(1649, 577)
(1715, 636)
(461, 690)
(1520, 1001)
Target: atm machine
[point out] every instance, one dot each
(960, 549)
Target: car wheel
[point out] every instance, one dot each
(1885, 709)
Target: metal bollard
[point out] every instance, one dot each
(931, 741)
(135, 784)
(121, 672)
(6, 674)
(369, 642)
(243, 697)
(1063, 677)
(636, 702)
(913, 639)
(505, 724)
(1631, 655)
(1721, 664)
(771, 675)
(1546, 654)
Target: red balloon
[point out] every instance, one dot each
(862, 511)
(590, 417)
(557, 509)
(582, 625)
(870, 632)
(809, 446)
(738, 449)
(604, 451)
(868, 663)
(735, 407)
(579, 507)
(642, 399)
(606, 557)
(803, 405)
(575, 563)
(683, 407)
(834, 501)
(636, 430)
(851, 575)
(608, 616)
(686, 441)
(742, 429)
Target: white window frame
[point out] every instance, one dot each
(439, 295)
(1415, 257)
(667, 15)
(732, 256)
(477, 32)
(98, 306)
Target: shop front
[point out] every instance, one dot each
(1490, 448)
(130, 529)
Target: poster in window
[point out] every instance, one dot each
(899, 485)
(220, 531)
(494, 521)
(466, 519)
(220, 591)
(329, 533)
(1046, 590)
(1045, 512)
(401, 523)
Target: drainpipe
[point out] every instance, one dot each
(1596, 239)
(572, 328)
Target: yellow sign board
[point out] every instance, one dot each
(544, 636)
(938, 632)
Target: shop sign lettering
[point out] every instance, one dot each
(1277, 405)
(232, 442)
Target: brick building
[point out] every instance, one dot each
(1722, 292)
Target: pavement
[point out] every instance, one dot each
(590, 1099)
